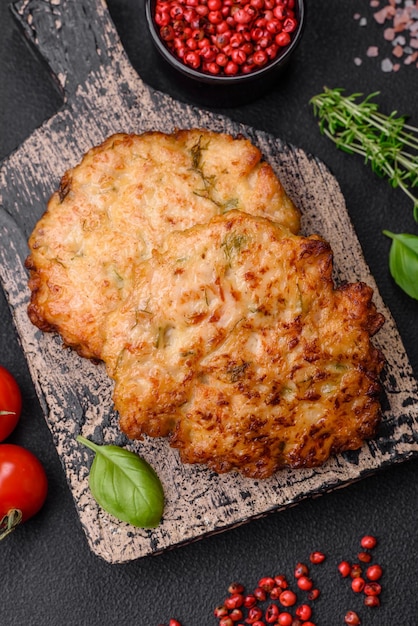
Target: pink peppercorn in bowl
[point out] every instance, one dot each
(225, 52)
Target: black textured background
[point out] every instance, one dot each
(48, 575)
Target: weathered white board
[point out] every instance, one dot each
(103, 95)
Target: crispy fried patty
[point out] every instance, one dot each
(175, 259)
(236, 344)
(120, 203)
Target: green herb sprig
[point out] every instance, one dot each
(390, 146)
(386, 142)
(125, 485)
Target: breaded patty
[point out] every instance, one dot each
(236, 344)
(120, 203)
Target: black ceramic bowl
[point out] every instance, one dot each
(222, 90)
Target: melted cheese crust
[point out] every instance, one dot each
(235, 343)
(120, 203)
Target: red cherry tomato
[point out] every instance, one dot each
(10, 403)
(23, 486)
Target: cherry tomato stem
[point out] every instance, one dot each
(9, 522)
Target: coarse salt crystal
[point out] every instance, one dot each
(397, 51)
(386, 65)
(372, 51)
(380, 16)
(411, 58)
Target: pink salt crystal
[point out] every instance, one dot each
(397, 51)
(411, 58)
(380, 16)
(389, 34)
(374, 3)
(401, 19)
(372, 51)
(413, 43)
(396, 67)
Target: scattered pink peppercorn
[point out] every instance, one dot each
(364, 557)
(241, 608)
(372, 589)
(304, 612)
(234, 601)
(249, 600)
(272, 614)
(220, 611)
(288, 598)
(344, 568)
(358, 584)
(374, 572)
(281, 581)
(254, 614)
(260, 594)
(285, 619)
(368, 542)
(275, 593)
(305, 583)
(372, 601)
(356, 570)
(236, 588)
(317, 557)
(301, 570)
(236, 615)
(314, 594)
(267, 583)
(352, 618)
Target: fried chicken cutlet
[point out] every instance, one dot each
(236, 344)
(119, 203)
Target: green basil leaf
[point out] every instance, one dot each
(403, 261)
(125, 485)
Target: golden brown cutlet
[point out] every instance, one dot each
(119, 203)
(236, 344)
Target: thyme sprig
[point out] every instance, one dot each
(386, 142)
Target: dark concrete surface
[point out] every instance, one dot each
(48, 574)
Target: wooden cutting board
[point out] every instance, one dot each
(104, 95)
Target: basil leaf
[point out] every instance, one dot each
(125, 485)
(403, 261)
